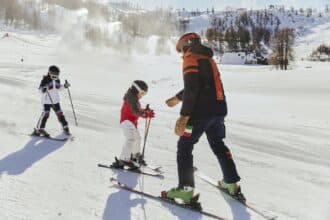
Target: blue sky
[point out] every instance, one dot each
(221, 4)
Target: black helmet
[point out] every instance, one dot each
(54, 70)
(140, 86)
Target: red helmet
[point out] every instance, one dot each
(187, 40)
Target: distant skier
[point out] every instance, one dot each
(50, 87)
(203, 111)
(130, 112)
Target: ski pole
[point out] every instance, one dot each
(146, 132)
(148, 121)
(74, 113)
(50, 98)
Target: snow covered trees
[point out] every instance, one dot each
(322, 53)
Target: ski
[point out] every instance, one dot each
(162, 199)
(239, 198)
(154, 168)
(53, 138)
(136, 170)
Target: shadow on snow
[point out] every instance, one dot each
(37, 148)
(119, 204)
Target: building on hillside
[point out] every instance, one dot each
(238, 58)
(323, 57)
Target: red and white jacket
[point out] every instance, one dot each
(131, 109)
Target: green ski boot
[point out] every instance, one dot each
(232, 188)
(186, 194)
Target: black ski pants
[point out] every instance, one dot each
(214, 129)
(45, 115)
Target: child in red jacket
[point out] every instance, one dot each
(130, 112)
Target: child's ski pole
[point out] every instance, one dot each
(74, 113)
(146, 132)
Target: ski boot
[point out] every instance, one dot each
(35, 132)
(233, 189)
(120, 164)
(138, 160)
(66, 131)
(117, 164)
(185, 194)
(40, 132)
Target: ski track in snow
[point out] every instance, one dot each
(278, 129)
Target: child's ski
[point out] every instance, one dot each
(53, 138)
(240, 199)
(170, 201)
(134, 170)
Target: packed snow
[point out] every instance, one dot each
(277, 128)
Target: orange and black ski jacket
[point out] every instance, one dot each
(203, 94)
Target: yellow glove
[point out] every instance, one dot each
(180, 125)
(171, 102)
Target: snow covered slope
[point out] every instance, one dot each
(278, 129)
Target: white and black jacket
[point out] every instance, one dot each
(50, 90)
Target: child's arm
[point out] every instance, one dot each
(43, 85)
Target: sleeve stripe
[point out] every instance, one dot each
(190, 71)
(189, 67)
(189, 62)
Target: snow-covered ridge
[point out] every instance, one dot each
(117, 25)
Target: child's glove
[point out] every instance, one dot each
(148, 113)
(43, 89)
(67, 84)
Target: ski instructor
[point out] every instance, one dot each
(203, 110)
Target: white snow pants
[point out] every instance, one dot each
(132, 140)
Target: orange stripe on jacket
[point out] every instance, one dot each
(190, 65)
(191, 60)
(217, 81)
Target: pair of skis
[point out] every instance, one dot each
(195, 206)
(164, 199)
(54, 138)
(143, 169)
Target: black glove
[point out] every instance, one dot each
(67, 84)
(43, 89)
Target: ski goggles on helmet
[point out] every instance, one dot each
(53, 76)
(137, 87)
